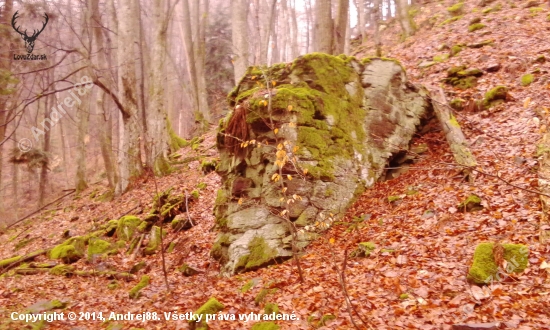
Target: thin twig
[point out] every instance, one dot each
(40, 209)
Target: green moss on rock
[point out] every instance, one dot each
(260, 297)
(441, 58)
(127, 226)
(451, 20)
(457, 104)
(219, 249)
(271, 308)
(495, 96)
(212, 306)
(63, 270)
(260, 254)
(527, 79)
(69, 251)
(187, 270)
(154, 241)
(471, 203)
(456, 9)
(456, 49)
(98, 246)
(475, 27)
(461, 77)
(484, 269)
(135, 291)
(247, 286)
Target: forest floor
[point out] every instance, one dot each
(424, 244)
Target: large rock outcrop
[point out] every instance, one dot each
(347, 116)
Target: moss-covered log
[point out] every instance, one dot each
(457, 142)
(7, 264)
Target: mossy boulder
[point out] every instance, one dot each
(135, 291)
(126, 227)
(212, 306)
(527, 79)
(97, 247)
(456, 9)
(260, 254)
(471, 203)
(154, 241)
(475, 27)
(167, 205)
(341, 118)
(495, 96)
(457, 104)
(462, 77)
(187, 270)
(69, 251)
(485, 270)
(270, 308)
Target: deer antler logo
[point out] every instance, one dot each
(29, 40)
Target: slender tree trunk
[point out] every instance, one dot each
(47, 146)
(294, 35)
(323, 28)
(83, 119)
(239, 28)
(5, 65)
(376, 25)
(340, 26)
(105, 119)
(195, 49)
(275, 51)
(157, 139)
(362, 19)
(309, 32)
(347, 40)
(402, 9)
(15, 180)
(130, 161)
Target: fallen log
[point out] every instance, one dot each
(14, 262)
(457, 142)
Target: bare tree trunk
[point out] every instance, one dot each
(340, 26)
(267, 17)
(275, 51)
(402, 8)
(347, 40)
(361, 19)
(376, 25)
(5, 65)
(105, 127)
(294, 35)
(130, 161)
(323, 28)
(157, 139)
(309, 20)
(15, 180)
(195, 53)
(239, 28)
(47, 138)
(83, 118)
